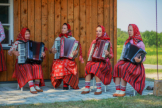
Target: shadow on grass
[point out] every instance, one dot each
(150, 79)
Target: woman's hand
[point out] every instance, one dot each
(43, 54)
(74, 53)
(106, 53)
(53, 50)
(118, 60)
(137, 60)
(16, 53)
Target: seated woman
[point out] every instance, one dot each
(125, 71)
(27, 72)
(101, 70)
(64, 69)
(2, 59)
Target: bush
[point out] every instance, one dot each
(149, 38)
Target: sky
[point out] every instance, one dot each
(139, 12)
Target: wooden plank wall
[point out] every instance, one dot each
(45, 18)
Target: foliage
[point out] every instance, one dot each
(149, 37)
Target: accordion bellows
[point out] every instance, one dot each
(65, 48)
(97, 50)
(131, 51)
(30, 52)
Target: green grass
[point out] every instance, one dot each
(151, 57)
(153, 71)
(138, 101)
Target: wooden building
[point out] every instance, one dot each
(45, 18)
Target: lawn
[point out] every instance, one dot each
(151, 57)
(153, 71)
(138, 101)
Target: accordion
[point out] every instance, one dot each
(97, 50)
(30, 52)
(131, 51)
(57, 47)
(65, 48)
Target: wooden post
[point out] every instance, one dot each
(157, 88)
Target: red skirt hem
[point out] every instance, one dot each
(71, 77)
(100, 69)
(131, 73)
(27, 72)
(2, 60)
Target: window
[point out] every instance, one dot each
(6, 18)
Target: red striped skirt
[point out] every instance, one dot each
(27, 72)
(2, 60)
(66, 70)
(100, 69)
(131, 73)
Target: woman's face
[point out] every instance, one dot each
(99, 31)
(130, 30)
(27, 35)
(64, 29)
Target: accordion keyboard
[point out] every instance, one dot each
(90, 55)
(74, 48)
(57, 47)
(105, 48)
(22, 56)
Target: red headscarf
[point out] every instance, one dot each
(69, 31)
(104, 34)
(21, 35)
(136, 35)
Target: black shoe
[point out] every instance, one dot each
(65, 88)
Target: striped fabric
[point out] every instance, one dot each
(31, 84)
(67, 71)
(38, 73)
(117, 87)
(98, 84)
(27, 72)
(2, 60)
(131, 73)
(123, 88)
(101, 70)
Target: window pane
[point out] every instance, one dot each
(6, 40)
(4, 14)
(4, 1)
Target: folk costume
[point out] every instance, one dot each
(103, 70)
(134, 74)
(2, 59)
(64, 69)
(27, 72)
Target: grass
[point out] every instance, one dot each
(150, 79)
(151, 57)
(138, 101)
(153, 71)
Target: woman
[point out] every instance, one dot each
(64, 69)
(27, 72)
(2, 59)
(101, 70)
(125, 71)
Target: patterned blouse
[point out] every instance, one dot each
(14, 47)
(2, 35)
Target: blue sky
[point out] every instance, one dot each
(140, 12)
